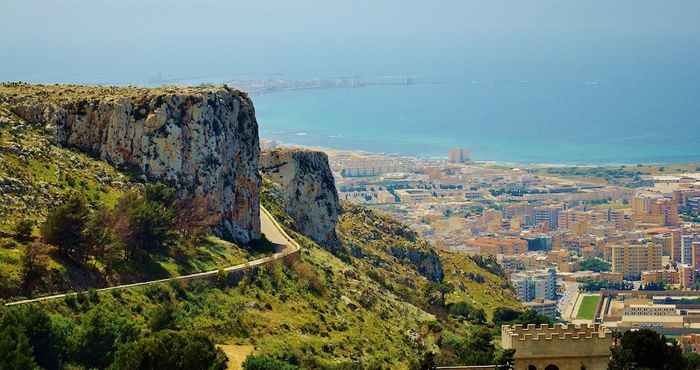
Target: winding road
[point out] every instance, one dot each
(268, 226)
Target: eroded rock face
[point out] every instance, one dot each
(203, 141)
(309, 189)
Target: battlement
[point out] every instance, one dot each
(517, 335)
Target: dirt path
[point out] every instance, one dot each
(236, 355)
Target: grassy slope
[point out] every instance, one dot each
(317, 308)
(367, 230)
(489, 295)
(36, 175)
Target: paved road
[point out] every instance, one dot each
(268, 226)
(567, 302)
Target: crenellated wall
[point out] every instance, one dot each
(564, 346)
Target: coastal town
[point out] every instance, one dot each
(619, 247)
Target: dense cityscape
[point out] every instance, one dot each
(582, 249)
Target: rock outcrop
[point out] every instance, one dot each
(203, 141)
(376, 237)
(309, 188)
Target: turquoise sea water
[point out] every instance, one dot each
(625, 118)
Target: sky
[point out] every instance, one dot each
(130, 41)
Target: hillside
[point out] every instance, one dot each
(394, 256)
(36, 175)
(365, 292)
(202, 141)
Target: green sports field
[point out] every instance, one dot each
(586, 310)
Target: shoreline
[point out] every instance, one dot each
(485, 162)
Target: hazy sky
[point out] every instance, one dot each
(130, 40)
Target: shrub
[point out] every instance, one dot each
(171, 350)
(309, 277)
(263, 362)
(93, 296)
(158, 293)
(23, 230)
(162, 318)
(466, 311)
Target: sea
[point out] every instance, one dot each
(615, 118)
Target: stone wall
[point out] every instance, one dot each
(202, 141)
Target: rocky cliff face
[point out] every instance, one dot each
(309, 189)
(203, 141)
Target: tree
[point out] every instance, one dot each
(34, 325)
(595, 264)
(646, 349)
(441, 289)
(193, 218)
(15, 350)
(23, 230)
(532, 317)
(427, 362)
(693, 361)
(98, 234)
(171, 350)
(504, 315)
(161, 194)
(33, 265)
(100, 333)
(64, 227)
(144, 225)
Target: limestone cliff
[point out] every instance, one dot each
(309, 189)
(203, 140)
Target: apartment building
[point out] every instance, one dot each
(652, 208)
(548, 215)
(493, 246)
(534, 285)
(632, 259)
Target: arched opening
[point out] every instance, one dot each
(551, 367)
(532, 367)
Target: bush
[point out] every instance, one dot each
(468, 312)
(504, 315)
(171, 350)
(163, 317)
(23, 230)
(309, 277)
(93, 296)
(262, 362)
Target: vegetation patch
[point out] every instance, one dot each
(586, 310)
